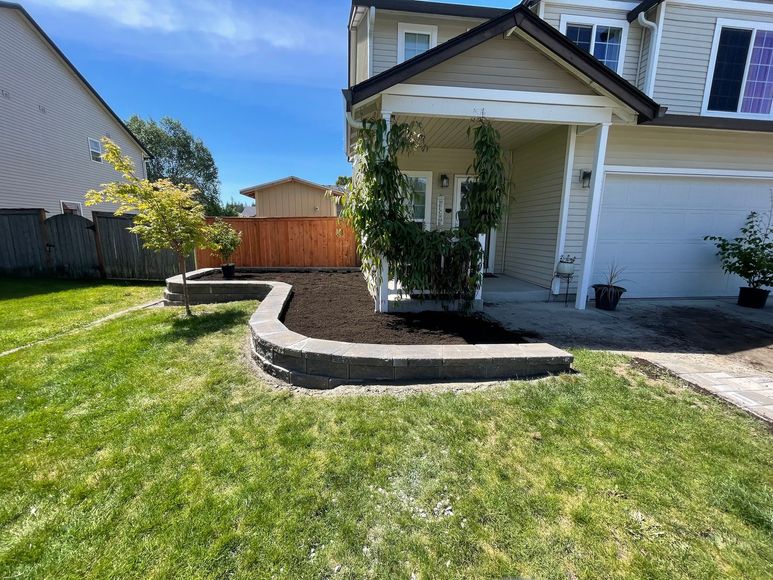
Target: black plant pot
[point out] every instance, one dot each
(229, 271)
(608, 297)
(753, 297)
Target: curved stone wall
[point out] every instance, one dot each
(323, 364)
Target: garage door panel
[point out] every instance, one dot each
(653, 226)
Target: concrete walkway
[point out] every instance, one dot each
(715, 345)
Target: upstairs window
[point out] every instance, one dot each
(741, 79)
(95, 149)
(72, 207)
(605, 39)
(414, 39)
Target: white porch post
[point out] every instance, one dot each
(571, 143)
(383, 287)
(592, 219)
(479, 289)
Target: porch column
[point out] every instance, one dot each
(592, 218)
(382, 302)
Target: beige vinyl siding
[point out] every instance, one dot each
(685, 52)
(553, 14)
(293, 199)
(385, 33)
(662, 147)
(44, 156)
(361, 51)
(503, 63)
(534, 209)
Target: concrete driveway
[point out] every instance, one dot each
(713, 344)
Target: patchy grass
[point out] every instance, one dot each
(146, 447)
(33, 309)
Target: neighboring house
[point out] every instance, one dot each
(633, 129)
(51, 123)
(293, 197)
(248, 211)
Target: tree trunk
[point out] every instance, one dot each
(181, 262)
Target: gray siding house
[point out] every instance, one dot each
(51, 123)
(633, 129)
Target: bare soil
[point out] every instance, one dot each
(338, 306)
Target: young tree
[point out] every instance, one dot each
(179, 157)
(168, 216)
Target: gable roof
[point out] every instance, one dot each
(75, 71)
(251, 191)
(520, 18)
(432, 8)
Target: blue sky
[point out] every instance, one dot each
(259, 81)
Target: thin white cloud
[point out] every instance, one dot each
(217, 23)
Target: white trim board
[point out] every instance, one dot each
(410, 90)
(496, 110)
(628, 6)
(563, 223)
(688, 172)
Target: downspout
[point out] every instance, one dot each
(652, 65)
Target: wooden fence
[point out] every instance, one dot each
(289, 242)
(72, 246)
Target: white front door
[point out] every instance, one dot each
(461, 188)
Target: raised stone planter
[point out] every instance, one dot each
(323, 364)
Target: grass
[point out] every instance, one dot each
(35, 309)
(147, 447)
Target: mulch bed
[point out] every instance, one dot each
(338, 306)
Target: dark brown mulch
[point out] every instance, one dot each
(338, 306)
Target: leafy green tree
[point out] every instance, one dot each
(179, 157)
(167, 216)
(223, 240)
(343, 181)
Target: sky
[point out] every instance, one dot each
(258, 81)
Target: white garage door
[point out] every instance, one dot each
(653, 226)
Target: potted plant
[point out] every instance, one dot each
(609, 293)
(223, 240)
(566, 265)
(749, 256)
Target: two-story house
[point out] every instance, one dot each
(633, 129)
(51, 123)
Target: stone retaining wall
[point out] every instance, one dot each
(323, 364)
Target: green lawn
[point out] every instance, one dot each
(34, 309)
(146, 447)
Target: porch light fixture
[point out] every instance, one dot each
(585, 177)
(444, 181)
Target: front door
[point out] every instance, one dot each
(461, 189)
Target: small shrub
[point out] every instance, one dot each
(222, 239)
(750, 255)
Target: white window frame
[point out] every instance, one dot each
(754, 26)
(79, 204)
(567, 19)
(406, 27)
(427, 199)
(100, 151)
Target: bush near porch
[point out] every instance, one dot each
(147, 446)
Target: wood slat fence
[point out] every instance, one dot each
(289, 242)
(72, 246)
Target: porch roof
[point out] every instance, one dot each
(522, 19)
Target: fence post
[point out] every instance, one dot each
(100, 258)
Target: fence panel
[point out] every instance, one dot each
(123, 255)
(23, 242)
(289, 242)
(72, 247)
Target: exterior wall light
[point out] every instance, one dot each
(585, 177)
(444, 181)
